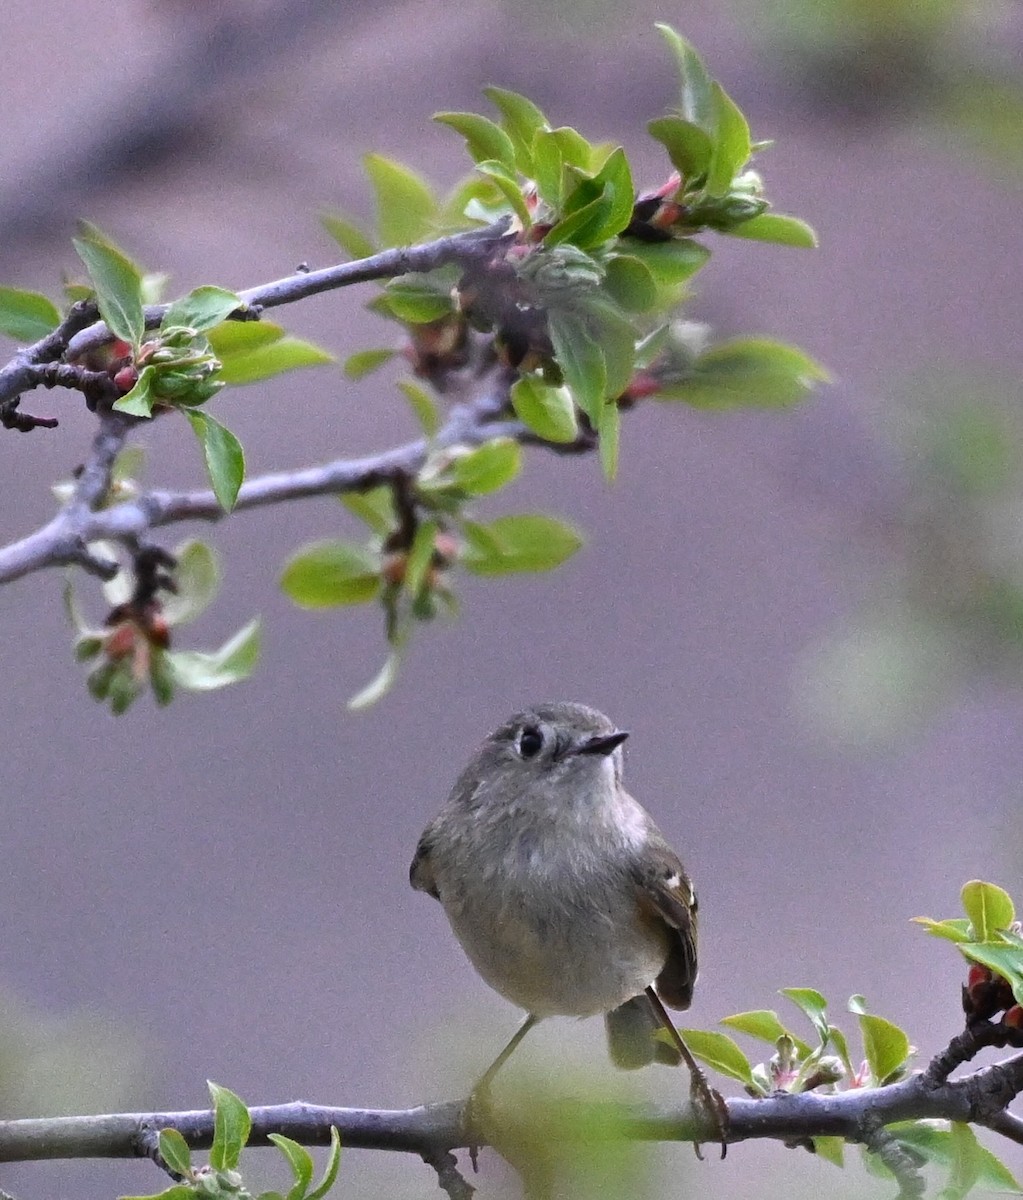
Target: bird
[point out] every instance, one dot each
(564, 894)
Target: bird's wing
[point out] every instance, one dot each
(665, 892)
(420, 873)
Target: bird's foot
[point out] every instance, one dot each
(712, 1104)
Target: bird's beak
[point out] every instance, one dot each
(602, 743)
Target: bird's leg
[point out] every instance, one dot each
(479, 1098)
(702, 1094)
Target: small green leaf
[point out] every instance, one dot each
(197, 578)
(831, 1149)
(938, 1142)
(231, 1124)
(197, 671)
(420, 556)
(140, 400)
(225, 459)
(405, 204)
(609, 430)
(201, 309)
(529, 542)
(178, 1191)
(375, 508)
(720, 1053)
(775, 227)
(330, 1171)
(423, 297)
(576, 151)
(348, 236)
(175, 1152)
(696, 102)
(548, 167)
(957, 930)
(1004, 958)
(764, 1024)
(689, 147)
(118, 283)
(989, 908)
(521, 121)
(510, 187)
(329, 573)
(250, 351)
(422, 405)
(378, 686)
(813, 1005)
(365, 362)
(615, 178)
(630, 283)
(755, 372)
(161, 676)
(617, 340)
(731, 144)
(581, 361)
(586, 226)
(300, 1161)
(488, 468)
(548, 411)
(670, 263)
(27, 316)
(484, 139)
(885, 1045)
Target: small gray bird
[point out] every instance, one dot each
(562, 890)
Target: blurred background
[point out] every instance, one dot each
(812, 621)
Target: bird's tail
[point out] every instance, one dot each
(632, 1036)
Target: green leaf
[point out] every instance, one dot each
(422, 405)
(548, 167)
(118, 283)
(378, 686)
(610, 427)
(989, 908)
(484, 139)
(197, 671)
(885, 1045)
(201, 309)
(617, 340)
(300, 1161)
(405, 204)
(670, 263)
(254, 350)
(696, 102)
(329, 573)
(178, 1191)
(27, 316)
(548, 411)
(197, 578)
(813, 1005)
(689, 147)
(731, 145)
(365, 362)
(348, 236)
(754, 372)
(630, 283)
(225, 459)
(420, 556)
(615, 178)
(956, 930)
(488, 468)
(576, 151)
(521, 121)
(764, 1024)
(586, 226)
(510, 187)
(140, 400)
(938, 1142)
(375, 508)
(330, 1172)
(581, 361)
(529, 542)
(1004, 958)
(161, 677)
(775, 227)
(831, 1149)
(423, 297)
(175, 1152)
(720, 1053)
(231, 1125)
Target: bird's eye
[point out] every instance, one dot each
(530, 742)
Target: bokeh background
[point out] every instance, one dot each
(811, 621)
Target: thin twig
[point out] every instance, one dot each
(449, 1178)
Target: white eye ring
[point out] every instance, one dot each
(530, 741)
